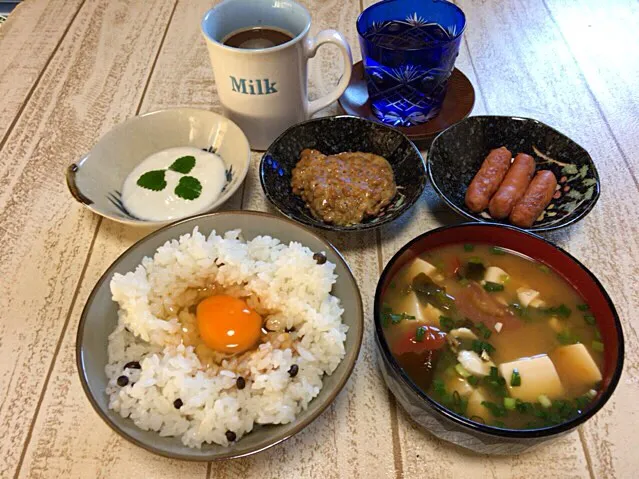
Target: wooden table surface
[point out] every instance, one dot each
(72, 69)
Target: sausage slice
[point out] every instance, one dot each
(537, 197)
(513, 187)
(488, 179)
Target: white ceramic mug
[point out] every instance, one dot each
(264, 91)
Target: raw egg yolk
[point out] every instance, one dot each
(227, 324)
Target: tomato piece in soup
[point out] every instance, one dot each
(431, 339)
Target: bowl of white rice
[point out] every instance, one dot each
(147, 352)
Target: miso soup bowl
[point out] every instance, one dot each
(457, 429)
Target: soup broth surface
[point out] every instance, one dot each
(494, 336)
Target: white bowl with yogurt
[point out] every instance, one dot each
(166, 165)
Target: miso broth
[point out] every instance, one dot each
(493, 336)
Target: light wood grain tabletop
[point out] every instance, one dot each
(72, 69)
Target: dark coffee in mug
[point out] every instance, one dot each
(257, 37)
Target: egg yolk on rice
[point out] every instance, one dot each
(227, 324)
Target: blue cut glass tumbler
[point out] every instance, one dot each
(409, 49)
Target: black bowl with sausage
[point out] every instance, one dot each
(460, 154)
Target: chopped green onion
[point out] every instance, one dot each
(564, 311)
(446, 323)
(525, 407)
(592, 393)
(479, 346)
(497, 250)
(504, 278)
(497, 410)
(469, 247)
(464, 323)
(493, 287)
(439, 387)
(496, 382)
(393, 285)
(515, 379)
(395, 318)
(597, 335)
(583, 307)
(475, 260)
(589, 318)
(420, 333)
(582, 402)
(464, 282)
(473, 380)
(386, 308)
(510, 403)
(566, 337)
(544, 401)
(561, 310)
(544, 269)
(500, 424)
(484, 330)
(462, 371)
(598, 346)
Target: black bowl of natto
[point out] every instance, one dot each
(332, 135)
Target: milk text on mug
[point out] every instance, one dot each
(259, 50)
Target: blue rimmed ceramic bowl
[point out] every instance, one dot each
(96, 180)
(337, 134)
(457, 153)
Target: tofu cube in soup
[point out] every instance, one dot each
(538, 377)
(474, 364)
(431, 315)
(420, 266)
(495, 275)
(410, 305)
(475, 408)
(555, 323)
(537, 303)
(460, 385)
(526, 296)
(576, 368)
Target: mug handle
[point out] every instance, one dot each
(310, 48)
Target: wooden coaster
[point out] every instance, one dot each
(458, 103)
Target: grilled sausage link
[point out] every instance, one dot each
(535, 199)
(513, 187)
(488, 179)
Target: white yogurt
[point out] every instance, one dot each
(163, 205)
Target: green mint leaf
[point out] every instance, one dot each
(183, 164)
(153, 180)
(188, 188)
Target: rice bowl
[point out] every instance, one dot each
(272, 406)
(155, 331)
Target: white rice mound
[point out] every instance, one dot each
(282, 282)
